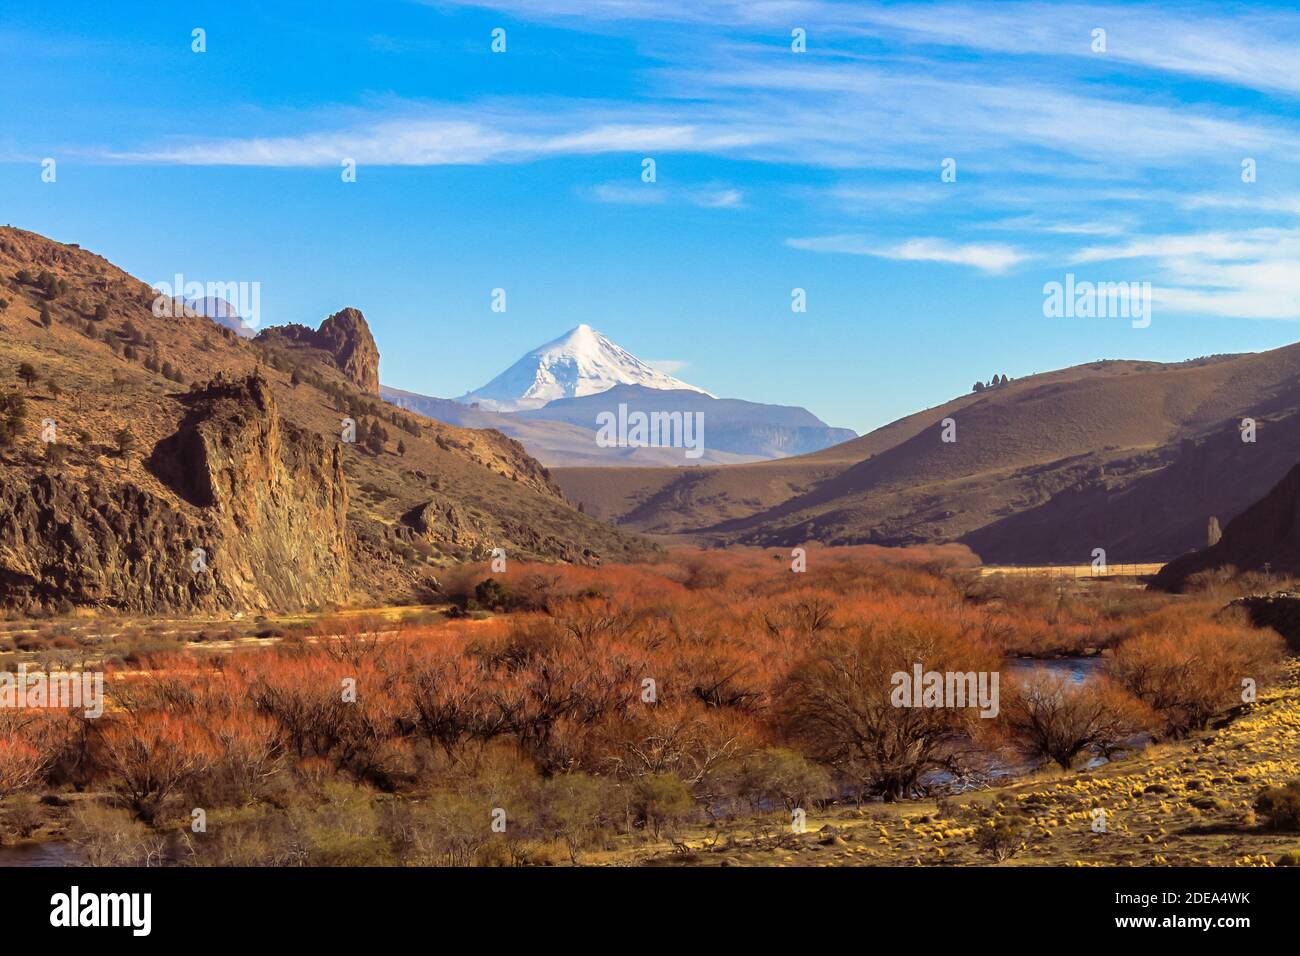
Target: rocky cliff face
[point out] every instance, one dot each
(455, 528)
(346, 338)
(234, 467)
(1268, 532)
(275, 494)
(258, 521)
(84, 543)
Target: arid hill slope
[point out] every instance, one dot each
(1128, 456)
(144, 470)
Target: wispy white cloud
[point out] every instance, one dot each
(656, 194)
(448, 138)
(624, 194)
(989, 257)
(1086, 158)
(668, 366)
(717, 198)
(1253, 202)
(1256, 48)
(755, 100)
(1114, 226)
(1252, 273)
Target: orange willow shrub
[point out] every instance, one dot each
(836, 702)
(30, 742)
(151, 756)
(1051, 716)
(1189, 668)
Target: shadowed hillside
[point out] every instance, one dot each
(1264, 537)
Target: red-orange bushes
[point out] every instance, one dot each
(577, 671)
(448, 697)
(249, 753)
(342, 710)
(151, 756)
(30, 742)
(647, 675)
(682, 737)
(1050, 716)
(1189, 668)
(837, 702)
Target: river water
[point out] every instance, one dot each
(40, 854)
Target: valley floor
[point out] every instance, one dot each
(292, 773)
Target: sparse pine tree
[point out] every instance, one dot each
(27, 372)
(124, 439)
(14, 423)
(46, 319)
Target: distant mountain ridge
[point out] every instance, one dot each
(553, 399)
(729, 424)
(223, 313)
(553, 443)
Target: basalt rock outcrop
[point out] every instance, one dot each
(443, 521)
(454, 528)
(345, 338)
(257, 520)
(65, 543)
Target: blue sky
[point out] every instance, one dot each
(819, 170)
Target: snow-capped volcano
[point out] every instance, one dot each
(580, 362)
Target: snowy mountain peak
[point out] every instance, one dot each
(580, 362)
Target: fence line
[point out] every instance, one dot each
(1077, 571)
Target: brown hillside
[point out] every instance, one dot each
(240, 457)
(1127, 456)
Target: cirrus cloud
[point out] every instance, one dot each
(992, 257)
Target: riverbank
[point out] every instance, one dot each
(1180, 803)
